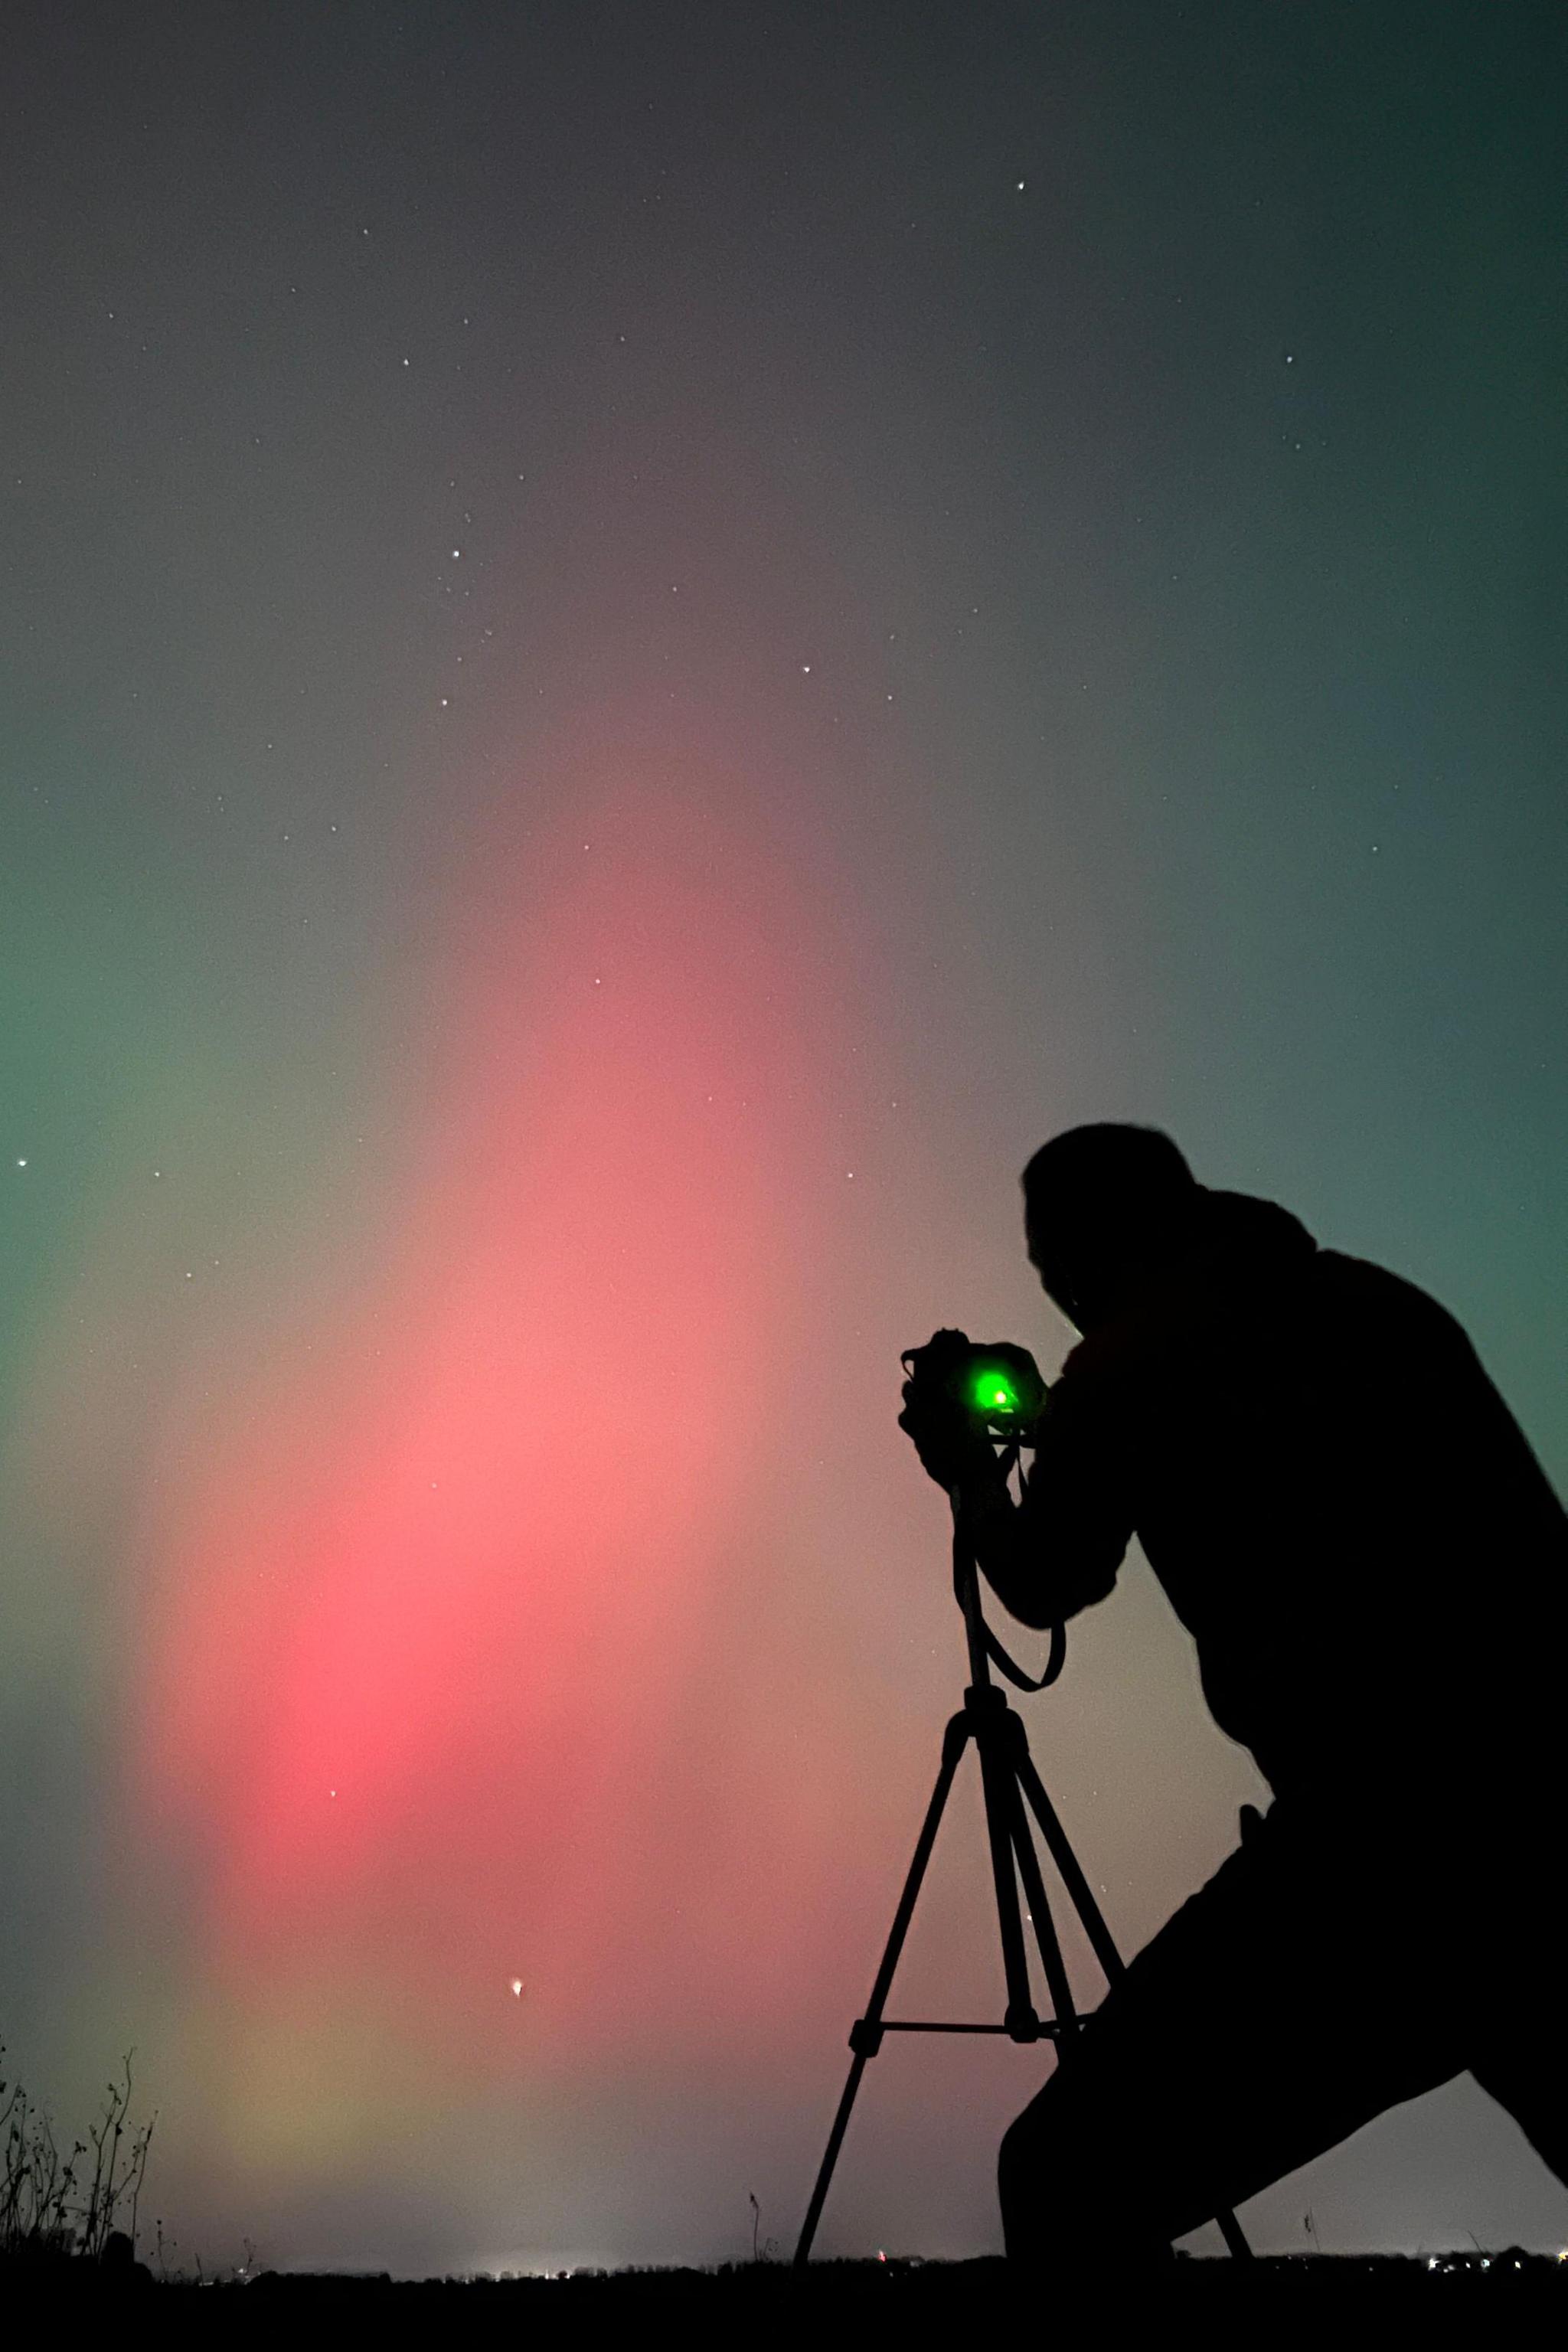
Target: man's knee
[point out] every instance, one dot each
(1020, 2164)
(1069, 2187)
(1047, 2188)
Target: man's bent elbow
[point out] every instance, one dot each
(1040, 1598)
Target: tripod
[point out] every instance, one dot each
(1009, 1777)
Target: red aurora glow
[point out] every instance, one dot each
(427, 1643)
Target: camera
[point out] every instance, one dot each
(997, 1385)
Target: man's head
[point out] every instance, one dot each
(1103, 1207)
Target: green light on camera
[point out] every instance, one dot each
(994, 1393)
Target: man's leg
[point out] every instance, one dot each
(1522, 2057)
(1530, 2078)
(1296, 1996)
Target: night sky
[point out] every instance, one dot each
(639, 645)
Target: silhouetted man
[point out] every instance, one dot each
(1349, 1522)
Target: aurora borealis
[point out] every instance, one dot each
(639, 646)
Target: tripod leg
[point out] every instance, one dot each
(866, 2035)
(1004, 1825)
(1045, 1928)
(1021, 1774)
(1067, 1865)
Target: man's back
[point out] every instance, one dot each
(1340, 1507)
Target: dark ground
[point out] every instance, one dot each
(904, 2295)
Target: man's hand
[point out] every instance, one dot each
(952, 1449)
(941, 1435)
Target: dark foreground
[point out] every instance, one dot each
(905, 2295)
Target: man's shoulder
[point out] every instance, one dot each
(1377, 1304)
(1360, 1277)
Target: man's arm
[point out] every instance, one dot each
(1059, 1549)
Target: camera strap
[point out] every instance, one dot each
(1014, 1672)
(964, 1565)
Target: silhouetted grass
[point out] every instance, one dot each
(73, 2207)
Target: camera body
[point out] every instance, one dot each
(995, 1385)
